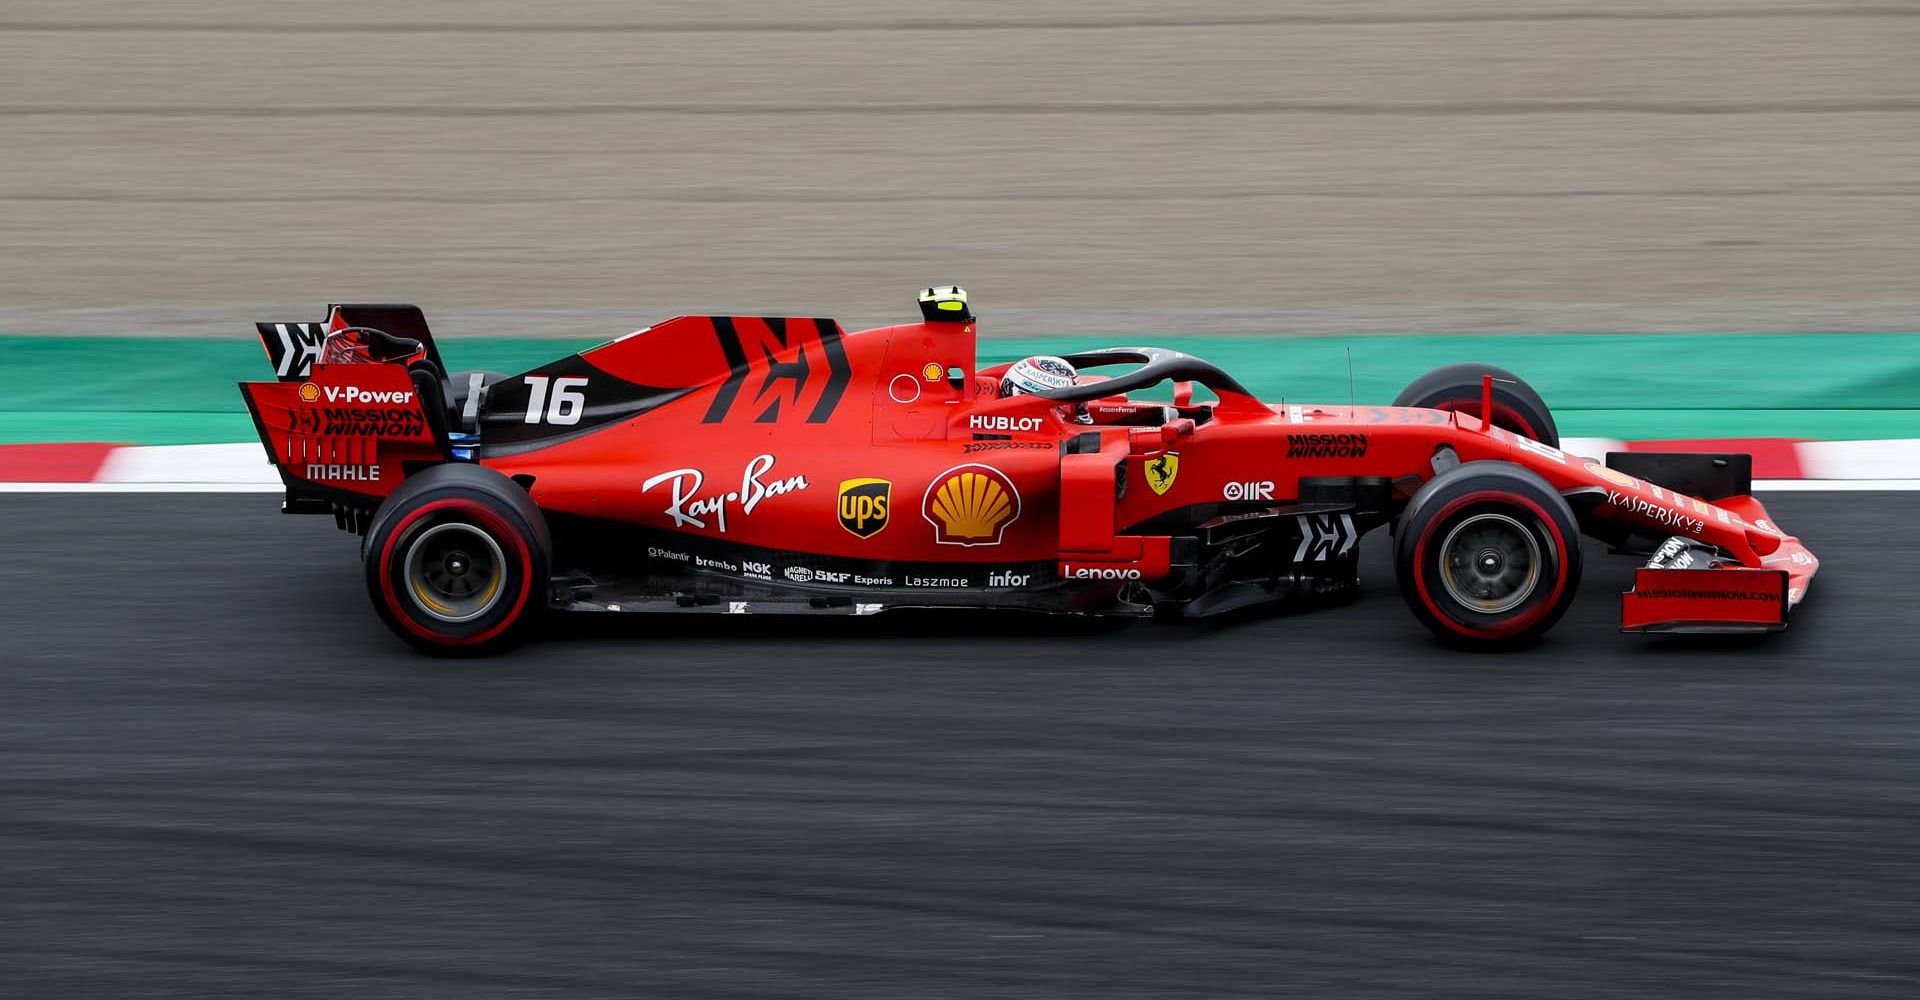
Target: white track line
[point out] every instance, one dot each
(1861, 459)
(1594, 448)
(1836, 485)
(243, 464)
(273, 487)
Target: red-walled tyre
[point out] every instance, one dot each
(1488, 555)
(1516, 407)
(456, 561)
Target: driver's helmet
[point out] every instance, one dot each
(1043, 373)
(1040, 373)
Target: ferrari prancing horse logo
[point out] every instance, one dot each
(1161, 472)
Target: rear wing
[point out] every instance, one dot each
(293, 348)
(353, 410)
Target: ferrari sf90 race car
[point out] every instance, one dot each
(775, 465)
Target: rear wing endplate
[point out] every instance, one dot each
(294, 347)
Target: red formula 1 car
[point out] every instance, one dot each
(740, 464)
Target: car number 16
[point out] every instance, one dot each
(567, 402)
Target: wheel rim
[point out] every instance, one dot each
(454, 572)
(1490, 563)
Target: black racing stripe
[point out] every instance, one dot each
(839, 372)
(795, 371)
(736, 356)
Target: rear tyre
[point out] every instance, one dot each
(456, 561)
(1487, 555)
(1516, 407)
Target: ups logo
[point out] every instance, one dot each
(863, 505)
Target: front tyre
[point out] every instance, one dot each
(456, 561)
(1516, 407)
(1487, 555)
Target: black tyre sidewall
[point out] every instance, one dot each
(1460, 493)
(1457, 387)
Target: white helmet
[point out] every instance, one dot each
(1040, 373)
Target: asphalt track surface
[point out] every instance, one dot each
(219, 776)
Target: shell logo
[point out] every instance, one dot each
(971, 505)
(1613, 476)
(309, 392)
(932, 372)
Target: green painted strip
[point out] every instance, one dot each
(142, 390)
(1656, 425)
(125, 427)
(177, 374)
(1578, 372)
